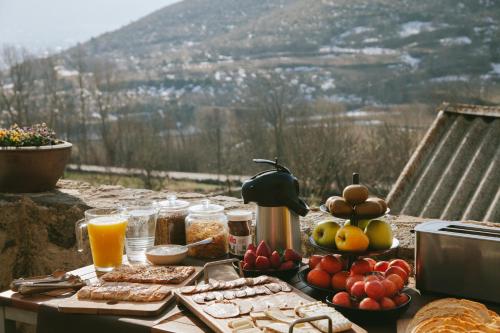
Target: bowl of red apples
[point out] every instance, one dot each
(261, 260)
(367, 291)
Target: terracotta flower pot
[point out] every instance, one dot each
(32, 169)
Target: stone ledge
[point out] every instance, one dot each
(37, 230)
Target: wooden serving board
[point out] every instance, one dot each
(221, 325)
(74, 305)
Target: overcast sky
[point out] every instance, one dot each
(51, 24)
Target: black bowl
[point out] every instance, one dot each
(285, 275)
(370, 316)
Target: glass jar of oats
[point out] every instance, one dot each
(204, 221)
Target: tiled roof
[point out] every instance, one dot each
(455, 172)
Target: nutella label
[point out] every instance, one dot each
(238, 244)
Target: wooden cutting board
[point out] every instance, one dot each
(74, 305)
(221, 325)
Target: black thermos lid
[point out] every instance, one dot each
(274, 188)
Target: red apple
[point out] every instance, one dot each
(343, 299)
(400, 299)
(401, 264)
(360, 267)
(381, 266)
(330, 264)
(397, 280)
(399, 271)
(319, 278)
(344, 262)
(249, 257)
(262, 263)
(369, 304)
(389, 287)
(339, 280)
(387, 303)
(371, 261)
(351, 280)
(314, 260)
(374, 289)
(373, 277)
(358, 290)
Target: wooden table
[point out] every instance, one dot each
(24, 309)
(16, 308)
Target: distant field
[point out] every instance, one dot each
(157, 183)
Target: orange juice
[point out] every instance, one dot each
(107, 235)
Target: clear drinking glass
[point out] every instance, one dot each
(106, 229)
(141, 228)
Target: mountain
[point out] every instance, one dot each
(356, 52)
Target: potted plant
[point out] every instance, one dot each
(31, 159)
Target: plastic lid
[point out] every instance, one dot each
(172, 204)
(206, 208)
(239, 215)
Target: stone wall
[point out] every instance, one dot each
(37, 230)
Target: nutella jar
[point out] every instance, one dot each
(240, 236)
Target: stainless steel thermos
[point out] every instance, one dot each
(276, 193)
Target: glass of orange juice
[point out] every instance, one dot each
(106, 229)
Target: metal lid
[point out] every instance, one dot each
(239, 215)
(206, 208)
(172, 204)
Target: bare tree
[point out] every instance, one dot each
(273, 97)
(106, 101)
(212, 123)
(17, 87)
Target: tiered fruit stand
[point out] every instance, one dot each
(354, 220)
(349, 258)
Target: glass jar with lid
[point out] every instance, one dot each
(204, 221)
(170, 225)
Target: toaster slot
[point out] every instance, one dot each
(464, 227)
(471, 231)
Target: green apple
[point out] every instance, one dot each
(324, 233)
(361, 223)
(380, 234)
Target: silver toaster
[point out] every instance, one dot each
(458, 259)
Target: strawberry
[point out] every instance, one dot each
(287, 265)
(252, 247)
(292, 255)
(262, 263)
(263, 250)
(247, 266)
(249, 257)
(275, 259)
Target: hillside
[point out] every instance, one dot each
(364, 52)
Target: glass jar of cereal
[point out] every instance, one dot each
(204, 221)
